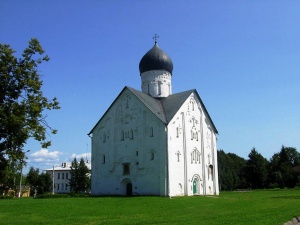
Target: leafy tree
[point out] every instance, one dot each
(44, 183)
(33, 178)
(231, 171)
(256, 170)
(80, 177)
(282, 166)
(38, 181)
(22, 102)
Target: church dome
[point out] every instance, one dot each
(156, 59)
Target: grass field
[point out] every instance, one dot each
(255, 207)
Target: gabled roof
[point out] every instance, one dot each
(165, 108)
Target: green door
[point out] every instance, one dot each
(195, 186)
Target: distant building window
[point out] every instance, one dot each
(137, 153)
(58, 176)
(63, 176)
(126, 169)
(62, 187)
(58, 187)
(67, 175)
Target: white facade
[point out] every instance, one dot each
(153, 142)
(192, 151)
(62, 176)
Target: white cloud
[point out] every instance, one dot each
(44, 156)
(83, 155)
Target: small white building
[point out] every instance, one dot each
(153, 142)
(62, 176)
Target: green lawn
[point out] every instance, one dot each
(256, 207)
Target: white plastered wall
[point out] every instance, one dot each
(129, 134)
(192, 152)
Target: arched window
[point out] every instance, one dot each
(210, 172)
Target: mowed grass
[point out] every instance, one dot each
(255, 207)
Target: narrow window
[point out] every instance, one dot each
(151, 132)
(58, 176)
(131, 134)
(126, 169)
(58, 187)
(159, 87)
(137, 153)
(178, 154)
(122, 135)
(210, 172)
(127, 134)
(152, 156)
(104, 137)
(67, 175)
(103, 159)
(63, 176)
(127, 102)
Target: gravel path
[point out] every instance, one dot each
(294, 221)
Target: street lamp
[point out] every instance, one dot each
(21, 175)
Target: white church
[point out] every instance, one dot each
(154, 142)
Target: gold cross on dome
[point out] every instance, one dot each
(155, 38)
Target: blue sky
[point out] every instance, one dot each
(241, 56)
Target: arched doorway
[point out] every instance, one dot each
(195, 186)
(129, 189)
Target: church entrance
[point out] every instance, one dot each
(129, 189)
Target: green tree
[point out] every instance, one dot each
(44, 183)
(22, 102)
(33, 178)
(282, 166)
(231, 171)
(41, 182)
(256, 170)
(80, 177)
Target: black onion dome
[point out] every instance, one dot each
(156, 59)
